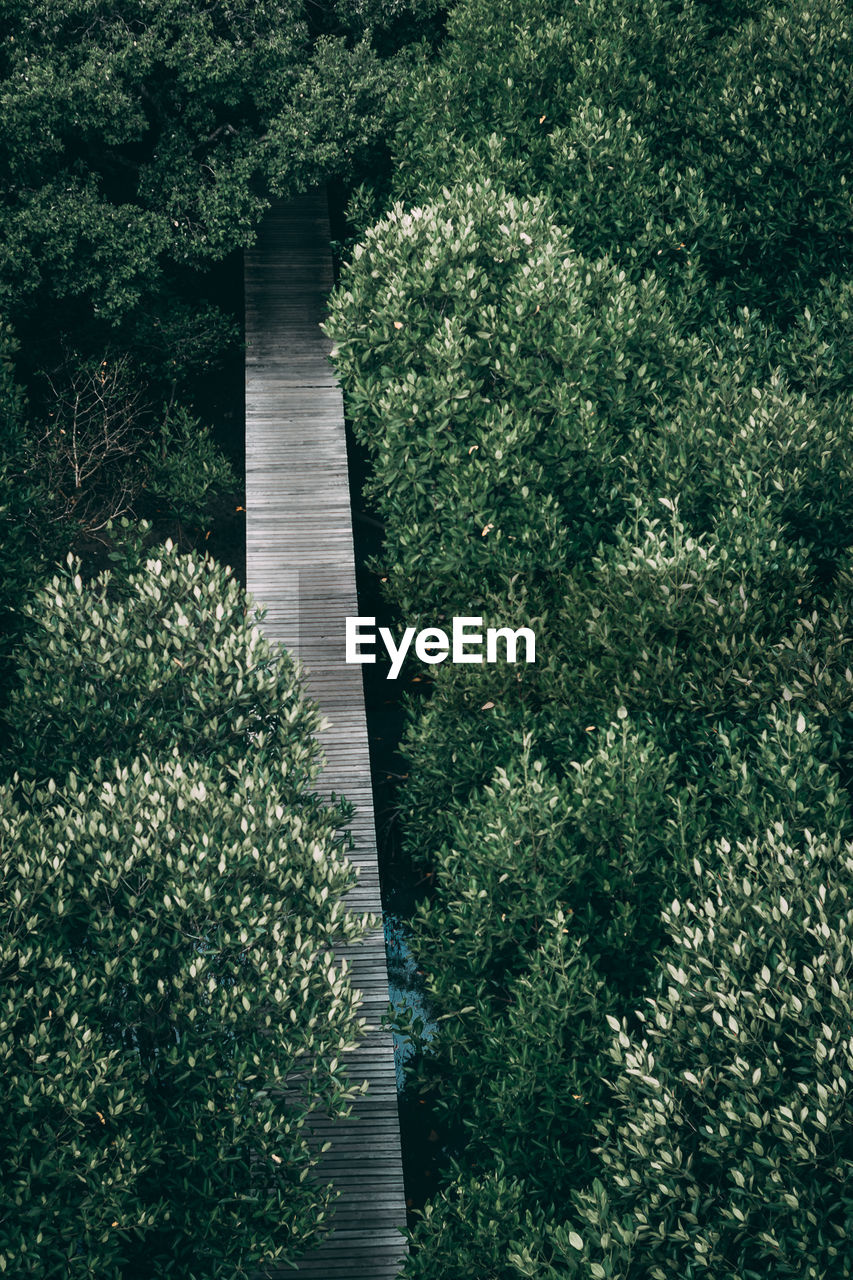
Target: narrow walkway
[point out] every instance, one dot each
(300, 567)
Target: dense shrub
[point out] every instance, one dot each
(551, 448)
(672, 134)
(153, 135)
(139, 153)
(21, 507)
(159, 653)
(728, 1152)
(172, 891)
(185, 469)
(525, 1065)
(597, 350)
(519, 400)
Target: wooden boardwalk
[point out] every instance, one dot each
(300, 567)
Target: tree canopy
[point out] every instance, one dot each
(172, 890)
(172, 886)
(141, 134)
(595, 339)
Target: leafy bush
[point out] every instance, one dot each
(167, 968)
(522, 1065)
(153, 137)
(729, 1152)
(473, 1228)
(172, 1011)
(21, 506)
(159, 653)
(139, 151)
(519, 401)
(677, 135)
(491, 369)
(596, 349)
(550, 448)
(186, 470)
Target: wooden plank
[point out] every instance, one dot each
(300, 567)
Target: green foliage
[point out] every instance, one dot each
(668, 134)
(519, 400)
(140, 147)
(551, 449)
(186, 470)
(21, 566)
(167, 967)
(389, 23)
(153, 134)
(24, 539)
(159, 653)
(730, 1148)
(541, 890)
(524, 1061)
(477, 363)
(473, 1228)
(172, 891)
(176, 340)
(597, 347)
